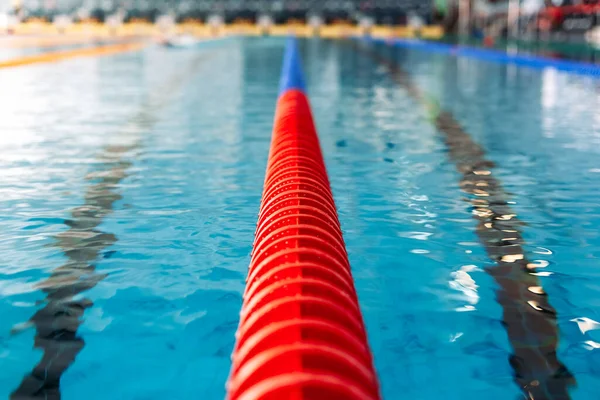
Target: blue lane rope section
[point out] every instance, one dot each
(291, 73)
(496, 56)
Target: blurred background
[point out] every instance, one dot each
(559, 20)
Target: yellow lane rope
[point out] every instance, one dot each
(73, 53)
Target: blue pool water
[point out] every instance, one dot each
(130, 188)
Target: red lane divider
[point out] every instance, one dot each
(301, 334)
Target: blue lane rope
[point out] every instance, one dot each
(291, 73)
(500, 57)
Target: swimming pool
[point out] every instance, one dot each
(131, 186)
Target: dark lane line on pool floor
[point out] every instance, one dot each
(528, 317)
(57, 322)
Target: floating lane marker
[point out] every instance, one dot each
(498, 56)
(74, 53)
(45, 42)
(528, 317)
(301, 334)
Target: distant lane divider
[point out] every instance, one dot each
(74, 53)
(51, 41)
(497, 56)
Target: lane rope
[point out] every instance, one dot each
(301, 334)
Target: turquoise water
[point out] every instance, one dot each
(133, 182)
